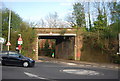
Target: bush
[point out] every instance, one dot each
(116, 58)
(70, 58)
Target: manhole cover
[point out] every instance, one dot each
(81, 72)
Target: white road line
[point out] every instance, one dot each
(63, 62)
(88, 65)
(33, 75)
(71, 64)
(103, 66)
(116, 67)
(81, 72)
(82, 65)
(95, 66)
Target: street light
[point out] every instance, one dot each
(9, 29)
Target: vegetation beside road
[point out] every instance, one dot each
(100, 37)
(100, 32)
(18, 26)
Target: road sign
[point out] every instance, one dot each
(20, 40)
(50, 33)
(2, 40)
(8, 43)
(19, 47)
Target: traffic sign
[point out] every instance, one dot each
(19, 47)
(8, 43)
(2, 40)
(50, 33)
(20, 40)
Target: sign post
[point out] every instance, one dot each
(8, 43)
(20, 42)
(2, 41)
(1, 47)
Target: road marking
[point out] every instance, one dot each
(33, 75)
(63, 62)
(116, 67)
(103, 66)
(81, 72)
(71, 64)
(81, 65)
(95, 66)
(111, 67)
(88, 65)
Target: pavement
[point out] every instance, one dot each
(78, 63)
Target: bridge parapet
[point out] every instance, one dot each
(56, 30)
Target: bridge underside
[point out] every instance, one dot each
(64, 47)
(68, 41)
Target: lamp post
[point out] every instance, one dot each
(9, 30)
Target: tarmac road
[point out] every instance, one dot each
(50, 71)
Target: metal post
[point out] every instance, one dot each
(20, 51)
(1, 46)
(19, 35)
(119, 43)
(20, 44)
(9, 29)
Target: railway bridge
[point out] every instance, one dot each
(68, 41)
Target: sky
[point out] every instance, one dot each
(35, 10)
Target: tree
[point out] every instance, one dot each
(105, 6)
(18, 27)
(0, 23)
(52, 20)
(106, 35)
(115, 11)
(15, 21)
(41, 23)
(28, 35)
(79, 14)
(15, 24)
(90, 26)
(115, 16)
(70, 19)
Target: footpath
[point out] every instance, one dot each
(78, 63)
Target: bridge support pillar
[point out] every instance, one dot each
(35, 49)
(65, 48)
(78, 46)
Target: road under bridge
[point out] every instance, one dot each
(68, 41)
